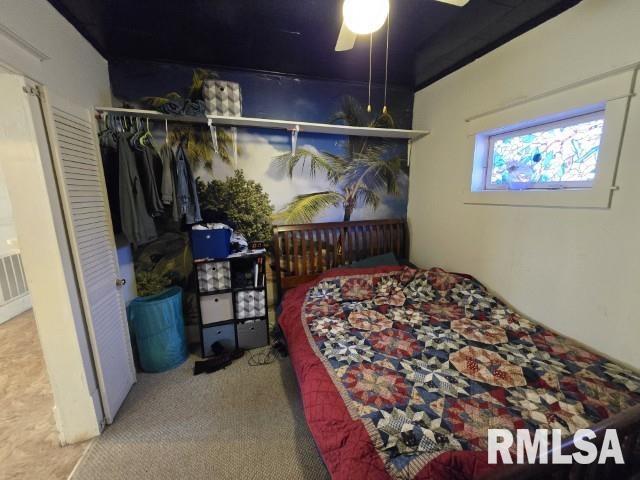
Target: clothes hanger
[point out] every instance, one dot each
(147, 136)
(103, 124)
(134, 134)
(137, 140)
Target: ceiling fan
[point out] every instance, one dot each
(365, 17)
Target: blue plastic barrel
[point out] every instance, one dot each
(158, 328)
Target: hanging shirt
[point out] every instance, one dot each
(146, 159)
(185, 187)
(168, 189)
(109, 153)
(137, 224)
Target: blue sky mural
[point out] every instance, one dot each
(348, 163)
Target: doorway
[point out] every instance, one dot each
(52, 358)
(29, 441)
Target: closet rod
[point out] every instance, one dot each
(150, 114)
(273, 124)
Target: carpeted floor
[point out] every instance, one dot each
(29, 446)
(239, 423)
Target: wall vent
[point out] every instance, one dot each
(13, 283)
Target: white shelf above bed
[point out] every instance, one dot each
(289, 125)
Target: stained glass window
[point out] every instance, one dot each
(554, 155)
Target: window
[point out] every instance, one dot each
(557, 149)
(561, 154)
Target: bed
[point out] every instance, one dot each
(402, 370)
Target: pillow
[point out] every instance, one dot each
(387, 259)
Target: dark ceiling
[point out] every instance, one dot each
(428, 39)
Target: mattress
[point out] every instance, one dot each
(403, 370)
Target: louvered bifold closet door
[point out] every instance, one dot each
(83, 193)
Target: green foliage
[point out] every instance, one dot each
(163, 262)
(151, 283)
(199, 146)
(240, 203)
(358, 177)
(194, 92)
(303, 208)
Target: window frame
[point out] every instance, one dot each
(568, 120)
(613, 91)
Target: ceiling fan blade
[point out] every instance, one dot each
(346, 39)
(457, 3)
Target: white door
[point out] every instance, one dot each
(81, 182)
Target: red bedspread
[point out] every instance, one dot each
(409, 306)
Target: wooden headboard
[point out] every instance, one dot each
(302, 252)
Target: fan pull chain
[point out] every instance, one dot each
(386, 65)
(370, 56)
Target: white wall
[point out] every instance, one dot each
(75, 71)
(575, 270)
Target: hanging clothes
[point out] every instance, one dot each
(137, 224)
(147, 166)
(185, 188)
(109, 154)
(167, 188)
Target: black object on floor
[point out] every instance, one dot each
(279, 342)
(221, 359)
(212, 364)
(218, 349)
(280, 347)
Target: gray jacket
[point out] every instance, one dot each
(185, 186)
(137, 224)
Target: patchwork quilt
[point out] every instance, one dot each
(402, 371)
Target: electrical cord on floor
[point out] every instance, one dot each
(276, 351)
(264, 356)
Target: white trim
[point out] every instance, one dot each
(23, 44)
(15, 307)
(583, 99)
(520, 101)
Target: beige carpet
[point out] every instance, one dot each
(239, 423)
(29, 447)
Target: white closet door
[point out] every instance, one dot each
(84, 199)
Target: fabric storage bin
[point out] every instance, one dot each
(250, 303)
(216, 308)
(225, 335)
(214, 276)
(222, 98)
(252, 334)
(214, 243)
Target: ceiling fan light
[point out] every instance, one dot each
(365, 16)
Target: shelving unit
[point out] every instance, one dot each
(233, 311)
(290, 125)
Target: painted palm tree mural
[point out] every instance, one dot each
(367, 169)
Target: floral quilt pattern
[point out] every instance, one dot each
(429, 360)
